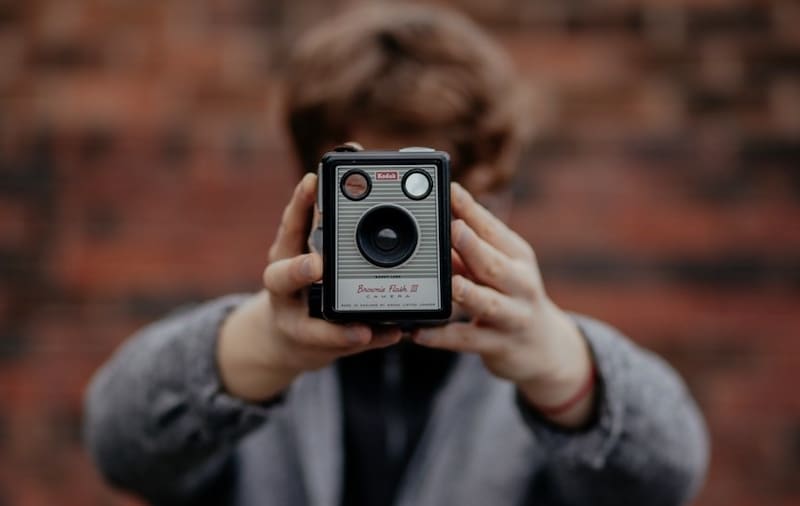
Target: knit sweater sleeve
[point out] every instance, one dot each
(158, 422)
(647, 445)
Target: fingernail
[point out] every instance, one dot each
(460, 192)
(459, 233)
(422, 336)
(307, 183)
(459, 288)
(357, 333)
(306, 267)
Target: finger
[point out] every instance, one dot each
(487, 225)
(381, 338)
(488, 265)
(458, 313)
(290, 275)
(458, 264)
(487, 306)
(316, 333)
(464, 337)
(294, 222)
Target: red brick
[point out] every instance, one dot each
(664, 155)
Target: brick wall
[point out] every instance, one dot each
(142, 166)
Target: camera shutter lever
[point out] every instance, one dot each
(416, 149)
(348, 147)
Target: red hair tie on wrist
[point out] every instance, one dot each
(560, 409)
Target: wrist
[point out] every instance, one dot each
(565, 392)
(247, 356)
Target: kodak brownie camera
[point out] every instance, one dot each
(385, 236)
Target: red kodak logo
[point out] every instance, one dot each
(386, 175)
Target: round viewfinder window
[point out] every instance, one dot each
(356, 184)
(417, 185)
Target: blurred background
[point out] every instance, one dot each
(143, 166)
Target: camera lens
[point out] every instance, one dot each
(387, 235)
(386, 239)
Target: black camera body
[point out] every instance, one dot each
(385, 236)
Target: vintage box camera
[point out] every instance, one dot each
(385, 236)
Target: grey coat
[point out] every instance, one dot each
(159, 423)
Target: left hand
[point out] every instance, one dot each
(520, 334)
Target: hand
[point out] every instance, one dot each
(520, 334)
(270, 339)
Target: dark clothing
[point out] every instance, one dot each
(387, 396)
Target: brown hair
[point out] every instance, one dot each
(406, 70)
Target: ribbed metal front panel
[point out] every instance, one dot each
(350, 264)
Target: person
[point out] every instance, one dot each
(248, 400)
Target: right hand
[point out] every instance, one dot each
(270, 339)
